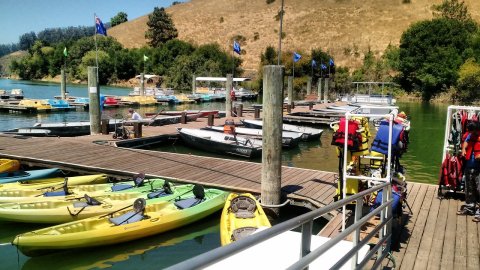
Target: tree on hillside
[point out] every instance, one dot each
(160, 27)
(468, 81)
(27, 40)
(452, 9)
(431, 53)
(121, 17)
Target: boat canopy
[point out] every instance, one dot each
(220, 79)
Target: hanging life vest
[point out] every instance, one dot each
(365, 134)
(229, 127)
(354, 139)
(451, 172)
(380, 143)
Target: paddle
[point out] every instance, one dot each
(153, 118)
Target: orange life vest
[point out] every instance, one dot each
(473, 145)
(229, 127)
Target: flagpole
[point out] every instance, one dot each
(95, 38)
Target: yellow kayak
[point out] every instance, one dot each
(61, 211)
(66, 192)
(242, 215)
(139, 220)
(9, 165)
(55, 183)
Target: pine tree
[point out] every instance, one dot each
(160, 27)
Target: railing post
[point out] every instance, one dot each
(382, 232)
(306, 239)
(356, 233)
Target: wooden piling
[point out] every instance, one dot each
(272, 139)
(94, 96)
(239, 110)
(290, 91)
(309, 85)
(63, 85)
(142, 84)
(137, 129)
(228, 98)
(183, 118)
(319, 89)
(256, 113)
(325, 91)
(289, 108)
(194, 84)
(210, 119)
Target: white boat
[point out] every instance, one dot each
(289, 138)
(309, 133)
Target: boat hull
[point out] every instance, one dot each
(28, 175)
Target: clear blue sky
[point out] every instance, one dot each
(21, 16)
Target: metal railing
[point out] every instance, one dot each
(306, 221)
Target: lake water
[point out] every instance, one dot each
(422, 162)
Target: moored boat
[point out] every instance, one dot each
(242, 215)
(28, 175)
(62, 129)
(309, 133)
(221, 143)
(55, 182)
(289, 138)
(36, 104)
(138, 221)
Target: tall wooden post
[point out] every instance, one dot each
(319, 89)
(290, 91)
(194, 84)
(325, 91)
(309, 86)
(94, 96)
(142, 84)
(63, 85)
(272, 139)
(228, 98)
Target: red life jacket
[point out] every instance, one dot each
(451, 173)
(472, 145)
(354, 138)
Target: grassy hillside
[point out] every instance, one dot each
(345, 28)
(7, 59)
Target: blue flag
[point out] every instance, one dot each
(236, 47)
(296, 57)
(314, 63)
(323, 66)
(100, 29)
(331, 62)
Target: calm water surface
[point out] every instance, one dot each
(422, 162)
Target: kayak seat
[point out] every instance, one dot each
(127, 218)
(63, 192)
(199, 194)
(121, 187)
(157, 194)
(243, 207)
(243, 232)
(89, 201)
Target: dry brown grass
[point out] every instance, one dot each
(6, 60)
(332, 25)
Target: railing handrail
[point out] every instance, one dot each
(220, 253)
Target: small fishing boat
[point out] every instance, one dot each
(289, 139)
(61, 129)
(9, 165)
(61, 211)
(54, 183)
(32, 132)
(137, 221)
(28, 175)
(242, 215)
(221, 143)
(309, 133)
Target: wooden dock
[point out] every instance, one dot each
(433, 235)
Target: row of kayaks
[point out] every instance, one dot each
(91, 212)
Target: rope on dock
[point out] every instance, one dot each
(273, 205)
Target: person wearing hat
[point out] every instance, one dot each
(134, 115)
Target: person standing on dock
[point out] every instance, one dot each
(134, 115)
(471, 152)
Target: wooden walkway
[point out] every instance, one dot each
(314, 188)
(433, 235)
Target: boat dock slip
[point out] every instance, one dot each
(306, 187)
(433, 236)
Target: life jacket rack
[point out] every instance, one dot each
(451, 172)
(344, 152)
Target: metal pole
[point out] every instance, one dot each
(194, 84)
(290, 91)
(272, 139)
(142, 84)
(94, 105)
(280, 36)
(325, 91)
(309, 85)
(319, 89)
(228, 99)
(63, 85)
